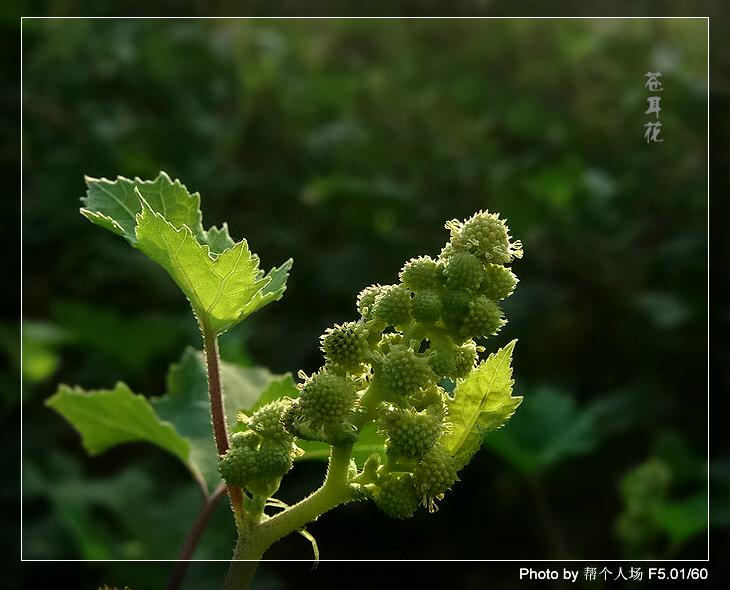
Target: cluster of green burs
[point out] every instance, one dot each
(389, 367)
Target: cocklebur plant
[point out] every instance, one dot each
(399, 406)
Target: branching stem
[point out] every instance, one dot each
(255, 538)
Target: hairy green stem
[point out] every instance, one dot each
(334, 491)
(255, 538)
(243, 565)
(369, 403)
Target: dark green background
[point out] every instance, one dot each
(346, 145)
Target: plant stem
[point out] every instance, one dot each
(243, 566)
(255, 538)
(217, 411)
(193, 538)
(369, 403)
(333, 492)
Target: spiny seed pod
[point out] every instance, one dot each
(448, 251)
(426, 306)
(247, 438)
(403, 371)
(451, 360)
(435, 474)
(463, 271)
(393, 305)
(260, 469)
(326, 400)
(274, 460)
(420, 273)
(397, 495)
(238, 465)
(485, 235)
(466, 358)
(456, 306)
(346, 345)
(410, 434)
(484, 318)
(267, 423)
(366, 301)
(442, 357)
(498, 282)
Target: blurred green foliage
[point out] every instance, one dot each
(665, 501)
(345, 145)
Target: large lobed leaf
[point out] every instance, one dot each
(482, 402)
(106, 418)
(178, 422)
(220, 277)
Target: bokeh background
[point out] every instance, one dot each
(347, 145)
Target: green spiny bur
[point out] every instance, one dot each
(421, 273)
(410, 434)
(435, 474)
(426, 306)
(404, 371)
(463, 271)
(393, 305)
(346, 345)
(366, 301)
(498, 282)
(397, 495)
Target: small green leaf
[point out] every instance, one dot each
(273, 291)
(219, 240)
(482, 403)
(106, 418)
(369, 442)
(220, 290)
(114, 205)
(161, 218)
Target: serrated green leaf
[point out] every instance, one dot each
(161, 218)
(114, 205)
(482, 402)
(106, 418)
(220, 290)
(219, 240)
(273, 291)
(178, 422)
(369, 442)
